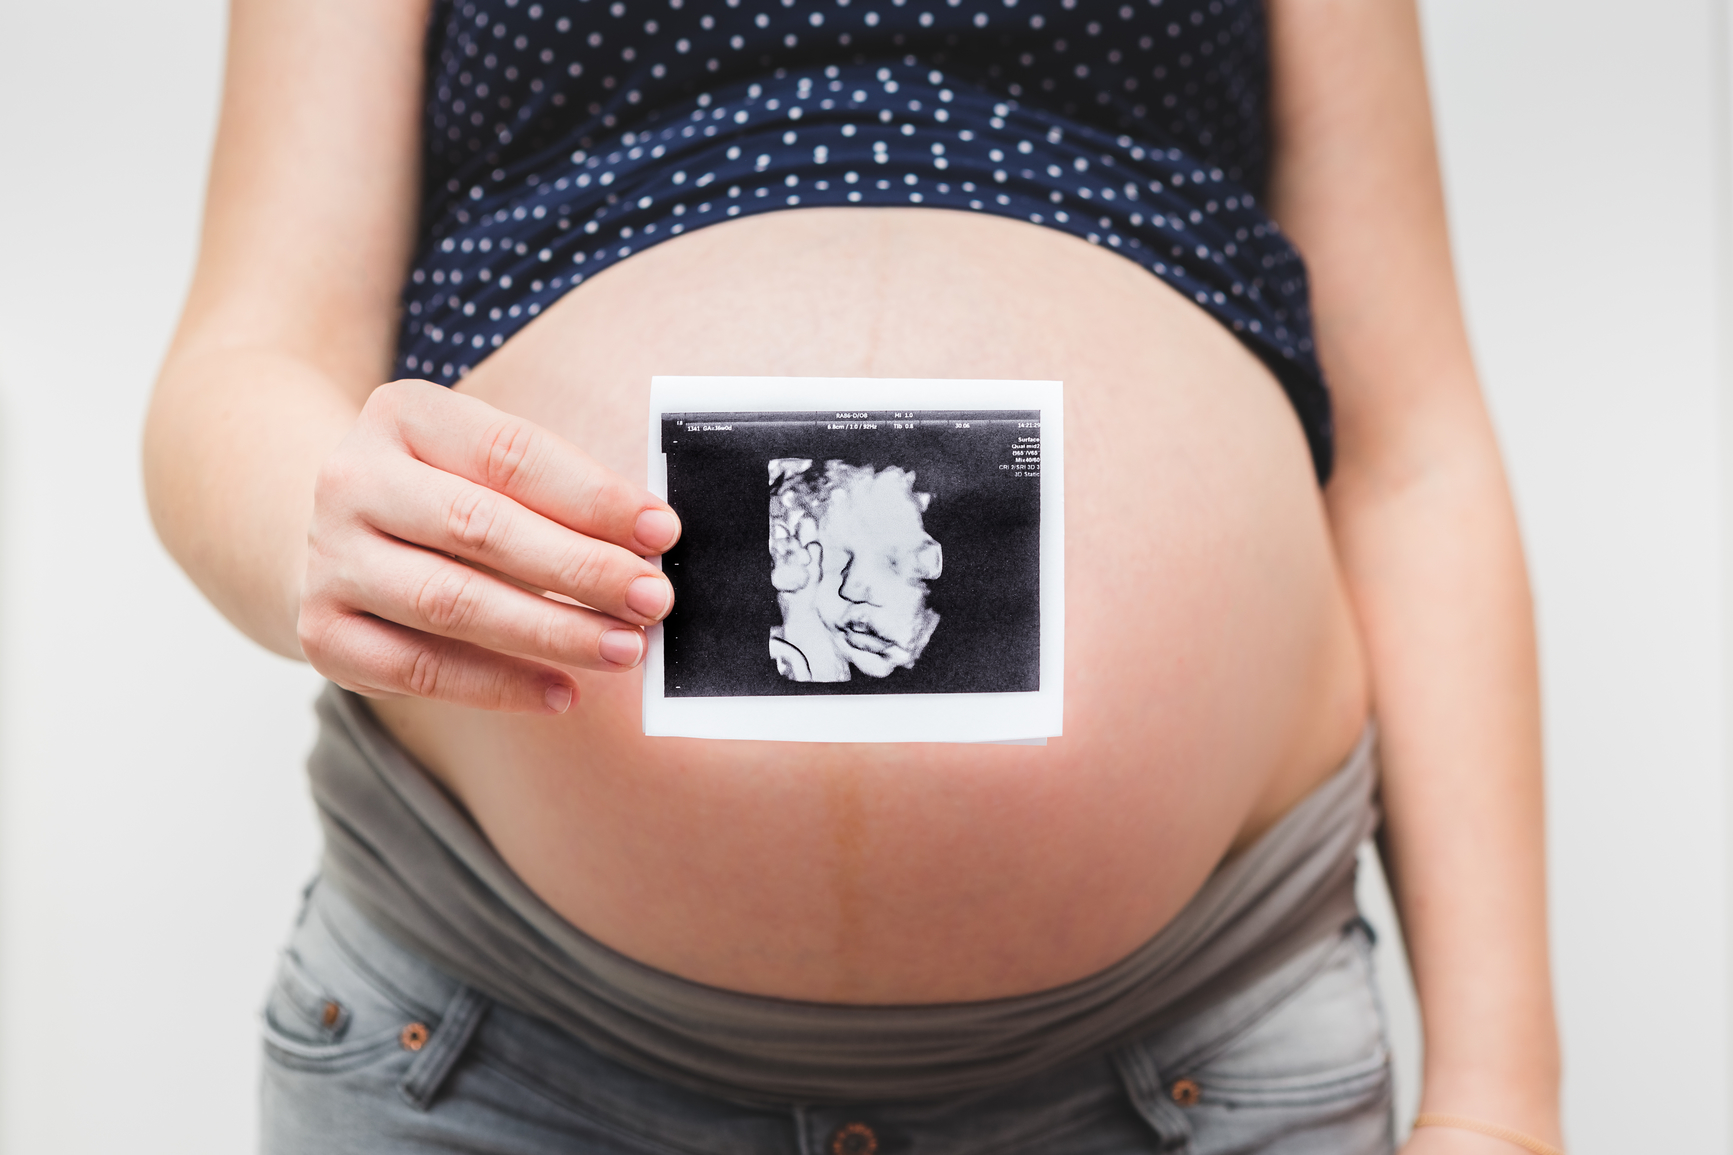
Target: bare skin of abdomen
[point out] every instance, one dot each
(1213, 672)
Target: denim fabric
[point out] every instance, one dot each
(403, 853)
(369, 1049)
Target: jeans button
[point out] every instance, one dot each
(1185, 1092)
(853, 1139)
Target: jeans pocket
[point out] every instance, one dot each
(1310, 1073)
(311, 1026)
(325, 1012)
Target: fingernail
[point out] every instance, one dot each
(622, 647)
(651, 596)
(559, 698)
(656, 529)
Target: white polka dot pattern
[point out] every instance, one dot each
(562, 137)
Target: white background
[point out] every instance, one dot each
(153, 824)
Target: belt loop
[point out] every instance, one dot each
(428, 1072)
(1152, 1100)
(800, 1130)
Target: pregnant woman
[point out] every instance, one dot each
(446, 246)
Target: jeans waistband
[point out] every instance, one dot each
(418, 868)
(1302, 1044)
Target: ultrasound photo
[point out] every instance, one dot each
(900, 554)
(861, 560)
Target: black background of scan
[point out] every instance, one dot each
(715, 642)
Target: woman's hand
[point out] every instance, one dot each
(438, 523)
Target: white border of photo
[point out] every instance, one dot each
(1027, 717)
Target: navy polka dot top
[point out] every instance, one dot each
(561, 136)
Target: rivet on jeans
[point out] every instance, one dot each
(854, 1139)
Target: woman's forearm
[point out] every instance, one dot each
(292, 314)
(1435, 569)
(233, 442)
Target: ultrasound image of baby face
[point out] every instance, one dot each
(851, 566)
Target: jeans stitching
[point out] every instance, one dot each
(332, 1058)
(307, 999)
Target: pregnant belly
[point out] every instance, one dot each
(1212, 671)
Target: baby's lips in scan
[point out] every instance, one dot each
(863, 637)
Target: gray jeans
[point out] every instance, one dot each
(370, 1050)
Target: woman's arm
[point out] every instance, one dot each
(325, 515)
(288, 327)
(1427, 538)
